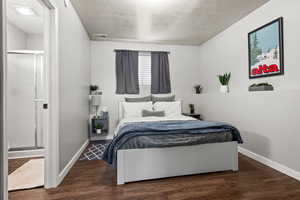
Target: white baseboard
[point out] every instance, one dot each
(70, 164)
(270, 163)
(26, 154)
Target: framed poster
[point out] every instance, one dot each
(265, 49)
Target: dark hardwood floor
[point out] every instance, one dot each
(94, 180)
(14, 164)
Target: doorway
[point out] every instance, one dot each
(25, 93)
(31, 95)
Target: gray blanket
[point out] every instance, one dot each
(169, 133)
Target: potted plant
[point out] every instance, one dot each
(198, 89)
(98, 128)
(224, 80)
(93, 88)
(192, 108)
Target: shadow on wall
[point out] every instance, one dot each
(262, 144)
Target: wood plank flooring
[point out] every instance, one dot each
(95, 180)
(14, 164)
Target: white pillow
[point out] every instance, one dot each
(135, 109)
(170, 108)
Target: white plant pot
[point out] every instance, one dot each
(98, 131)
(224, 89)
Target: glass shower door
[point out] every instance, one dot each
(24, 100)
(39, 99)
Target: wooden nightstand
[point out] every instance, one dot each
(195, 115)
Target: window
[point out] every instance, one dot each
(144, 68)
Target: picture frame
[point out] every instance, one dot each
(266, 50)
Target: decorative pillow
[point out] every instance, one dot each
(138, 99)
(148, 113)
(135, 109)
(170, 108)
(163, 99)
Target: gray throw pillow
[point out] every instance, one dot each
(164, 99)
(138, 99)
(148, 113)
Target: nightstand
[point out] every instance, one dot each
(195, 115)
(103, 121)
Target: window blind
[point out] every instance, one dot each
(144, 69)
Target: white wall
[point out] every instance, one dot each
(268, 120)
(19, 40)
(16, 38)
(183, 60)
(35, 42)
(74, 81)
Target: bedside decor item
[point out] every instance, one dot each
(96, 102)
(192, 108)
(98, 128)
(198, 89)
(224, 80)
(261, 87)
(265, 49)
(93, 88)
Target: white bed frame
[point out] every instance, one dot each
(144, 164)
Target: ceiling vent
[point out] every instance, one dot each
(100, 36)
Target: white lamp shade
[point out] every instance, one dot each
(96, 100)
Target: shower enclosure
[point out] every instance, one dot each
(25, 98)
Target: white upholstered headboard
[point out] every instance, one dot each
(121, 112)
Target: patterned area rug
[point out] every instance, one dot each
(94, 151)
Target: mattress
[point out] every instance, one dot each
(162, 132)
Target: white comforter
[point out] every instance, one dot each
(124, 121)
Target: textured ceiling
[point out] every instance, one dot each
(162, 21)
(28, 24)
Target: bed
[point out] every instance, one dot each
(147, 148)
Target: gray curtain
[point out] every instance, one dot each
(160, 73)
(127, 64)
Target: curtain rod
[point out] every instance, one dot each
(139, 50)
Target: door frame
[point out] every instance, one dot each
(3, 138)
(51, 115)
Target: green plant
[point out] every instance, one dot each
(198, 89)
(224, 79)
(98, 126)
(93, 88)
